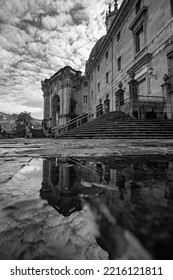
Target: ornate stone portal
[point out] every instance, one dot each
(62, 97)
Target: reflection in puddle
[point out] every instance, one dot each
(103, 209)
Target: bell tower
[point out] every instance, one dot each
(110, 15)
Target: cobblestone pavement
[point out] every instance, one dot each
(15, 153)
(84, 147)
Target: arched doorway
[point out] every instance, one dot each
(55, 110)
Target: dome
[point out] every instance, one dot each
(96, 48)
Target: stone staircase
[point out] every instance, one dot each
(38, 133)
(116, 125)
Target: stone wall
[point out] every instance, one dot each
(157, 41)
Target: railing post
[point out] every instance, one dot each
(133, 95)
(119, 97)
(107, 104)
(168, 97)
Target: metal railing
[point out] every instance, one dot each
(78, 121)
(97, 112)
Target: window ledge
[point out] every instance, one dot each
(137, 55)
(139, 15)
(139, 63)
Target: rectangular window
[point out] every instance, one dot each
(98, 87)
(92, 94)
(138, 6)
(119, 63)
(107, 77)
(106, 55)
(91, 78)
(98, 68)
(118, 36)
(85, 83)
(139, 39)
(85, 98)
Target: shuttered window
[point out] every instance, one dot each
(142, 87)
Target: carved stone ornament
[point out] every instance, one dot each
(165, 78)
(120, 85)
(132, 74)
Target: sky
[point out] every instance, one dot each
(39, 37)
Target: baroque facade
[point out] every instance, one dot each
(129, 69)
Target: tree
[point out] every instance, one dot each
(24, 118)
(23, 122)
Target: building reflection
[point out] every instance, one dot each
(139, 194)
(142, 181)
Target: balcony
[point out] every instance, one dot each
(145, 105)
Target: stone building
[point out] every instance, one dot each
(129, 69)
(62, 96)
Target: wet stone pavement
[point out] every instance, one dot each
(86, 199)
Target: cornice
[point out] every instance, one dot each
(146, 58)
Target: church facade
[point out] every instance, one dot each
(129, 69)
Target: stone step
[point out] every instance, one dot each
(123, 132)
(128, 123)
(118, 137)
(119, 125)
(106, 129)
(123, 128)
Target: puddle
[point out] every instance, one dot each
(88, 209)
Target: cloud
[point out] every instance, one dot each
(37, 38)
(49, 22)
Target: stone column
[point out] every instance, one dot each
(168, 97)
(45, 86)
(133, 91)
(119, 97)
(44, 89)
(107, 104)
